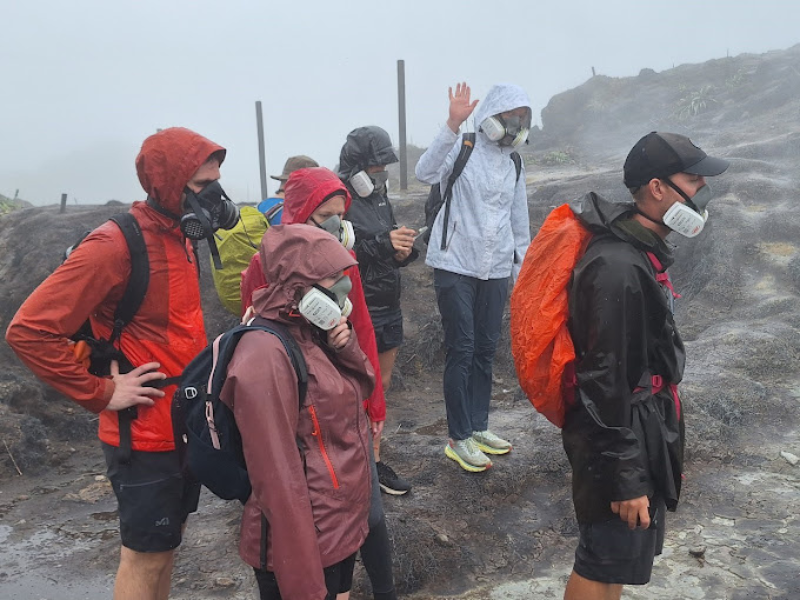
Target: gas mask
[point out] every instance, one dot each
(362, 184)
(688, 219)
(209, 210)
(379, 181)
(324, 307)
(341, 229)
(507, 131)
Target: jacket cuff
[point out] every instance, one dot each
(385, 244)
(409, 259)
(98, 405)
(447, 135)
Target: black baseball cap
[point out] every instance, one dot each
(658, 155)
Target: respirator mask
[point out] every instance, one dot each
(380, 180)
(324, 307)
(507, 131)
(362, 184)
(688, 219)
(209, 210)
(341, 229)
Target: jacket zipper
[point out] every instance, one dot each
(317, 433)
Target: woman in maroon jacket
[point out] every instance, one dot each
(309, 467)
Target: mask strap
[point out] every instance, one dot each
(151, 202)
(201, 216)
(686, 198)
(327, 292)
(246, 233)
(649, 218)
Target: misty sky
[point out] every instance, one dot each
(84, 82)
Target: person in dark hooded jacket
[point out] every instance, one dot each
(624, 436)
(174, 167)
(382, 248)
(309, 468)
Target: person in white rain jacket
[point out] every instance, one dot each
(475, 253)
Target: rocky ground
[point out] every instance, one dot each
(508, 533)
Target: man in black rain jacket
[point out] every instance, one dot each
(625, 435)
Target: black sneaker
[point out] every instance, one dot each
(390, 482)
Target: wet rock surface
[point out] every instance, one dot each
(508, 533)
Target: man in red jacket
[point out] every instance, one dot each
(174, 166)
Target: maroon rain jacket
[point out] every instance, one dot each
(310, 465)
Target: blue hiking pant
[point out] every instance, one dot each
(472, 314)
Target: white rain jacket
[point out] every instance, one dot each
(488, 230)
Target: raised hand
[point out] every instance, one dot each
(460, 106)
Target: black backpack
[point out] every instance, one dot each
(435, 200)
(102, 351)
(206, 436)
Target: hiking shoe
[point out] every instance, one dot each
(466, 453)
(390, 482)
(490, 443)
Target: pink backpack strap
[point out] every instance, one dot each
(658, 384)
(662, 276)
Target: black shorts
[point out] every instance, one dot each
(338, 580)
(154, 498)
(611, 552)
(388, 327)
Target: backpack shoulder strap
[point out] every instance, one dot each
(273, 210)
(226, 344)
(292, 349)
(139, 279)
(467, 144)
(517, 163)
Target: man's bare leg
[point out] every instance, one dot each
(143, 575)
(580, 588)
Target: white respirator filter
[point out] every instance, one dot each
(493, 129)
(320, 310)
(347, 235)
(685, 221)
(362, 184)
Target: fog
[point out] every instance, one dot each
(83, 83)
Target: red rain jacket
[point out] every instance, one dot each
(168, 328)
(306, 189)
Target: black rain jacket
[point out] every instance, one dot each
(373, 219)
(622, 443)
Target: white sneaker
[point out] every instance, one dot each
(466, 453)
(491, 443)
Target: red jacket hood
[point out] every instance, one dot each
(294, 257)
(167, 161)
(306, 189)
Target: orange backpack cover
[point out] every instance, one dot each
(540, 341)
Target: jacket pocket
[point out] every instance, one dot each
(317, 433)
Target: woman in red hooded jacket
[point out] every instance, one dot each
(312, 197)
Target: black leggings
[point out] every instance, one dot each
(376, 554)
(338, 579)
(376, 551)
